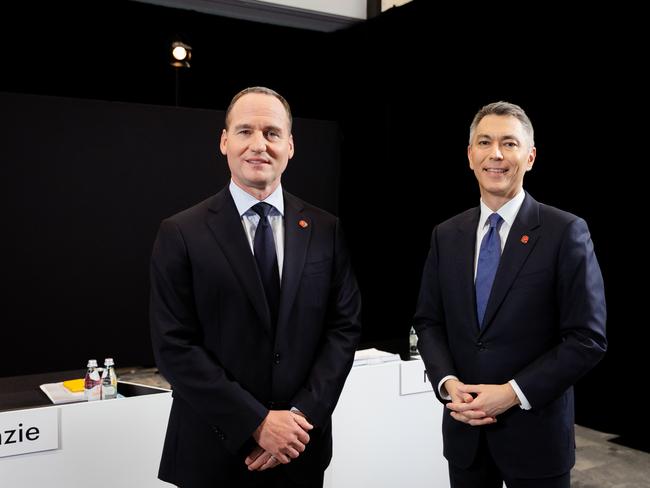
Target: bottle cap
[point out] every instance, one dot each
(92, 363)
(108, 362)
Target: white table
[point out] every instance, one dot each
(102, 444)
(387, 430)
(386, 427)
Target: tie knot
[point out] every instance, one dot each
(262, 209)
(495, 219)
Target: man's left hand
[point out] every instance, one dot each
(260, 460)
(493, 400)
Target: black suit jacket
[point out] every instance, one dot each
(214, 342)
(544, 328)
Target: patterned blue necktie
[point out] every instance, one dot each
(488, 262)
(267, 260)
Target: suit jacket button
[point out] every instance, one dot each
(481, 346)
(276, 358)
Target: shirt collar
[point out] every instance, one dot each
(508, 210)
(244, 201)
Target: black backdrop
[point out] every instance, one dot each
(403, 87)
(85, 185)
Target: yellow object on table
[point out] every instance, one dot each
(74, 385)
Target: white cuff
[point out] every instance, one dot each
(520, 394)
(444, 394)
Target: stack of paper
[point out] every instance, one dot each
(373, 356)
(57, 393)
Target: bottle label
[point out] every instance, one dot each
(108, 392)
(92, 386)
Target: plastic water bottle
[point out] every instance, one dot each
(92, 382)
(109, 380)
(413, 344)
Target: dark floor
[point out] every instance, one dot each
(600, 463)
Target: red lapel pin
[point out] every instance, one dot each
(524, 239)
(303, 223)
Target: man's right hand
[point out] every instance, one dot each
(470, 416)
(451, 385)
(283, 434)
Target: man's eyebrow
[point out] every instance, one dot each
(509, 136)
(243, 126)
(273, 127)
(265, 128)
(503, 137)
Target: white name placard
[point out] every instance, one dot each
(413, 378)
(32, 430)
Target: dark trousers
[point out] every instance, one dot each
(484, 473)
(270, 478)
(277, 478)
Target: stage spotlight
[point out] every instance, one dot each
(181, 55)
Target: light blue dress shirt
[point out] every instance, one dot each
(249, 218)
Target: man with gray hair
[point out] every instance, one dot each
(511, 313)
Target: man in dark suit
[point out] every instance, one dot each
(255, 318)
(511, 314)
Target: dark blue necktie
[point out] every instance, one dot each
(267, 260)
(488, 262)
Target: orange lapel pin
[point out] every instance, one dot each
(303, 223)
(524, 239)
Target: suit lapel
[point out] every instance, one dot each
(522, 238)
(225, 224)
(465, 260)
(297, 232)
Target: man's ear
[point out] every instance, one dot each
(223, 141)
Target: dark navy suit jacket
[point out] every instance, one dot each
(213, 338)
(544, 328)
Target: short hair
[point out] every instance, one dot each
(503, 108)
(264, 91)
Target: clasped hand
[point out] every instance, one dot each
(281, 437)
(479, 404)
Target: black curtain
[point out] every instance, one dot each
(404, 86)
